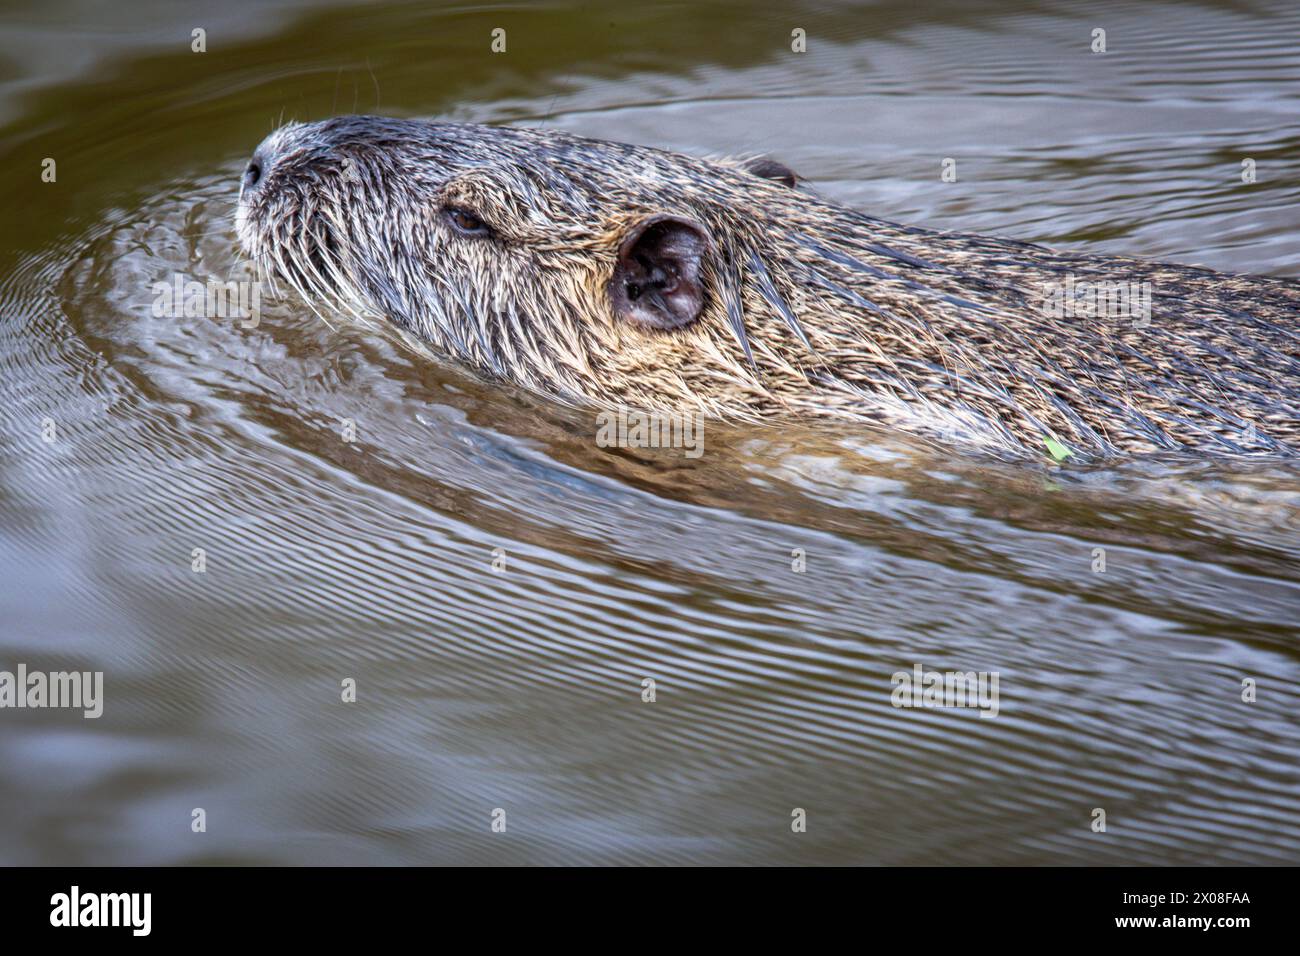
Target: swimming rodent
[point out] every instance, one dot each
(621, 275)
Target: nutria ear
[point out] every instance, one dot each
(658, 279)
(765, 168)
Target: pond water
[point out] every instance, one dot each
(499, 588)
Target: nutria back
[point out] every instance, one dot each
(613, 274)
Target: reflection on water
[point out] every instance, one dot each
(522, 688)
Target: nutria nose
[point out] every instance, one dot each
(261, 163)
(255, 171)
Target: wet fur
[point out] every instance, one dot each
(812, 310)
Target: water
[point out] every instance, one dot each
(521, 688)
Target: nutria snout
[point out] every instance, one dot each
(622, 275)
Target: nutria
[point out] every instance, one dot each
(623, 275)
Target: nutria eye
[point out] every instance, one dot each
(466, 223)
(252, 174)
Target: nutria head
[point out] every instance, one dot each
(622, 275)
(592, 271)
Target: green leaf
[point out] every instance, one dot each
(1056, 449)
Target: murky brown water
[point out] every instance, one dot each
(521, 689)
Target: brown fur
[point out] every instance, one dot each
(811, 310)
